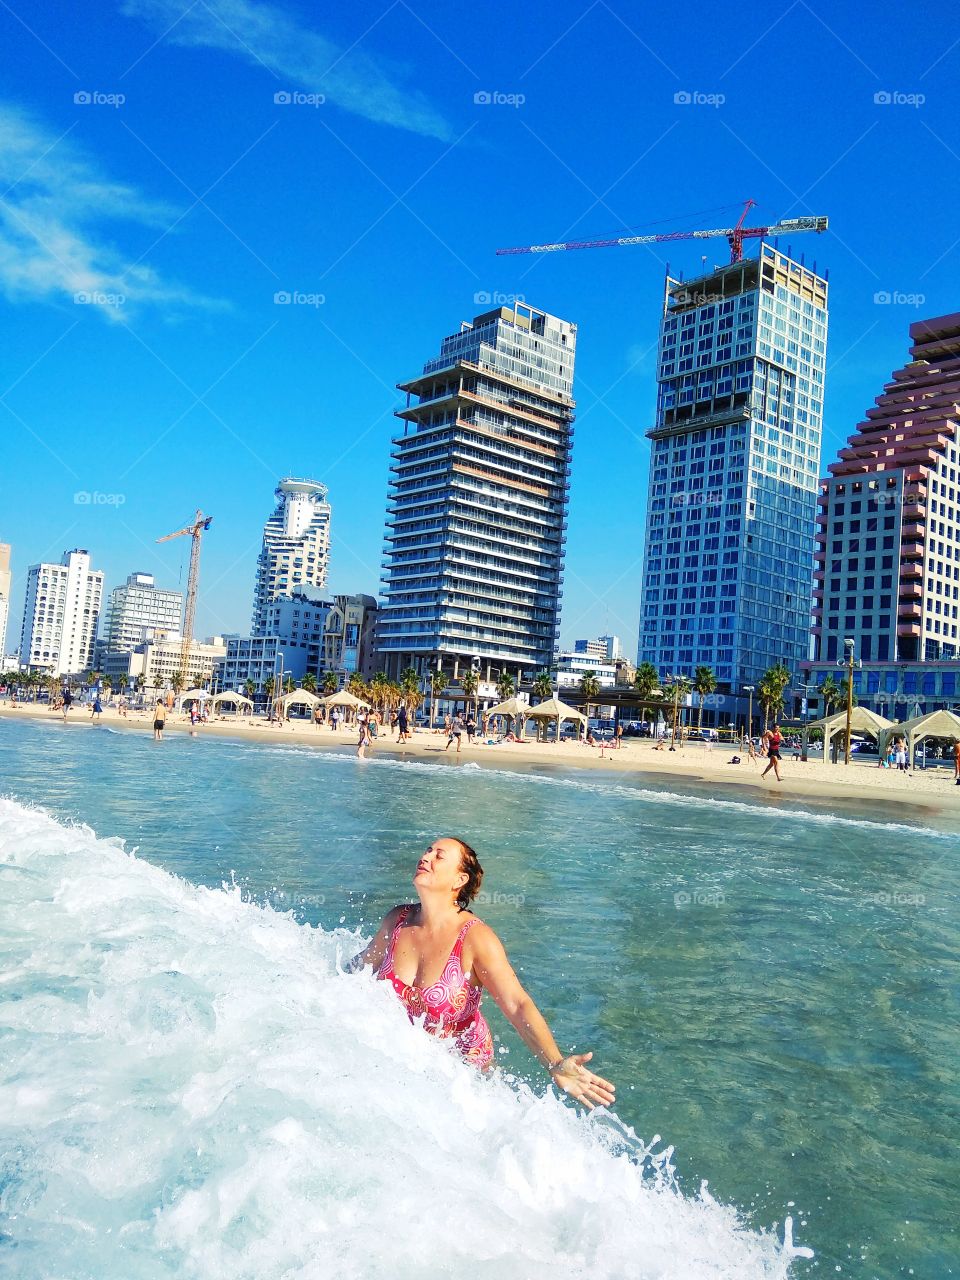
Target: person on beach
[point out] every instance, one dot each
(159, 719)
(402, 723)
(956, 762)
(334, 720)
(455, 733)
(471, 728)
(97, 711)
(441, 936)
(772, 739)
(901, 749)
(67, 701)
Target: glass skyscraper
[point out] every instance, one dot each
(734, 471)
(477, 512)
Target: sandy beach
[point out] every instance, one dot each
(702, 764)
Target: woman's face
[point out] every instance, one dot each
(439, 867)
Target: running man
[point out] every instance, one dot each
(772, 740)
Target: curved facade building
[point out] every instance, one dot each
(296, 546)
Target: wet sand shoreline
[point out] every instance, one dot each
(702, 767)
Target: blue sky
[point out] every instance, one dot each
(146, 163)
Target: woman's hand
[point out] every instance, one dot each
(572, 1077)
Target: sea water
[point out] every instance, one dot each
(190, 1086)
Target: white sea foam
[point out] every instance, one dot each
(191, 1088)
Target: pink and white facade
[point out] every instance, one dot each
(888, 534)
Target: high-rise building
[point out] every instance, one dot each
(734, 470)
(5, 580)
(60, 615)
(477, 514)
(134, 608)
(888, 529)
(296, 546)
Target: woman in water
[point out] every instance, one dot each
(442, 937)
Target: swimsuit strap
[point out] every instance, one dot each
(458, 945)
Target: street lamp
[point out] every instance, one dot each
(849, 662)
(749, 688)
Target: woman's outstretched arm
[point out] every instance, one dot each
(373, 954)
(493, 970)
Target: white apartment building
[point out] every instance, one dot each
(158, 661)
(608, 647)
(60, 614)
(5, 579)
(296, 546)
(570, 666)
(136, 607)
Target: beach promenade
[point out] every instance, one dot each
(696, 762)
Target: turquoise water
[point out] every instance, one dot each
(773, 991)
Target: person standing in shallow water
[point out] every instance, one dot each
(159, 719)
(441, 936)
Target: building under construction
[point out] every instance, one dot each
(734, 470)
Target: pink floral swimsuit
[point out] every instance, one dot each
(450, 1007)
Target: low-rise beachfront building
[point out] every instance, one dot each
(5, 581)
(296, 547)
(137, 608)
(60, 614)
(887, 572)
(897, 690)
(571, 667)
(608, 647)
(157, 660)
(259, 659)
(478, 505)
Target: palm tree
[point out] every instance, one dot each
(770, 691)
(506, 686)
(645, 681)
(357, 687)
(250, 688)
(269, 685)
(470, 684)
(329, 683)
(288, 685)
(831, 693)
(589, 688)
(680, 687)
(123, 682)
(438, 682)
(409, 687)
(176, 682)
(309, 682)
(543, 685)
(704, 683)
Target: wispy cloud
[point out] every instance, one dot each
(298, 57)
(53, 204)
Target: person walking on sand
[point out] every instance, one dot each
(456, 732)
(159, 719)
(956, 762)
(67, 700)
(97, 711)
(773, 738)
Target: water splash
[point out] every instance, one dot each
(191, 1088)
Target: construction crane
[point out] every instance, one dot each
(196, 531)
(735, 236)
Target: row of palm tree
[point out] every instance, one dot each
(648, 684)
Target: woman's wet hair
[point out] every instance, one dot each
(471, 868)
